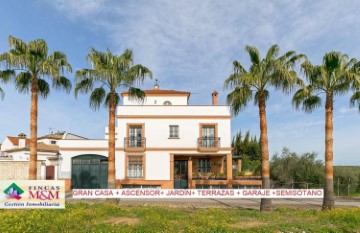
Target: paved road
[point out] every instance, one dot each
(227, 203)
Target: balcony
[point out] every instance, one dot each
(208, 144)
(134, 144)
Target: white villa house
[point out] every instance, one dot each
(162, 142)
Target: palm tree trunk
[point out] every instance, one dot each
(265, 168)
(111, 171)
(33, 129)
(329, 201)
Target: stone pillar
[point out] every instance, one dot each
(228, 166)
(239, 164)
(172, 170)
(190, 173)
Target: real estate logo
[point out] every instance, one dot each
(13, 192)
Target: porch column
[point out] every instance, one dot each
(172, 170)
(229, 169)
(239, 163)
(228, 166)
(190, 173)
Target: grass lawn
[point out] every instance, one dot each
(108, 217)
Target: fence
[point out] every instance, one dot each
(341, 187)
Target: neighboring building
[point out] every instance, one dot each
(162, 142)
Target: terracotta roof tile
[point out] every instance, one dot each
(15, 141)
(52, 136)
(41, 147)
(161, 92)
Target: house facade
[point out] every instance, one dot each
(167, 143)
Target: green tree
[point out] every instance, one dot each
(271, 71)
(298, 171)
(249, 149)
(32, 65)
(333, 77)
(110, 72)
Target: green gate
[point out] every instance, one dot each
(89, 171)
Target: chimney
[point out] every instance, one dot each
(214, 98)
(22, 140)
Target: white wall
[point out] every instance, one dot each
(72, 148)
(157, 165)
(190, 110)
(7, 144)
(157, 132)
(120, 165)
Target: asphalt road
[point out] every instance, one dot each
(227, 203)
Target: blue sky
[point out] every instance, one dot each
(189, 45)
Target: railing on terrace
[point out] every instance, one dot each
(135, 143)
(208, 143)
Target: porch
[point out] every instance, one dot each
(199, 170)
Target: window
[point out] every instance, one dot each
(204, 165)
(53, 142)
(135, 133)
(135, 167)
(167, 102)
(174, 131)
(208, 134)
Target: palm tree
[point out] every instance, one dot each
(32, 65)
(272, 71)
(333, 77)
(110, 72)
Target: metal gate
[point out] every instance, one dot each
(89, 172)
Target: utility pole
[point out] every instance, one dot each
(349, 187)
(338, 184)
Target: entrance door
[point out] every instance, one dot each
(50, 172)
(89, 172)
(180, 174)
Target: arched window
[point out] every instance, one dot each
(167, 102)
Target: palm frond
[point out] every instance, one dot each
(62, 82)
(83, 86)
(18, 45)
(23, 82)
(238, 68)
(38, 48)
(305, 98)
(97, 97)
(238, 98)
(136, 94)
(2, 93)
(6, 75)
(261, 94)
(355, 100)
(272, 52)
(254, 54)
(60, 60)
(44, 88)
(137, 74)
(107, 99)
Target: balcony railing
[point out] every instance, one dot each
(135, 143)
(208, 143)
